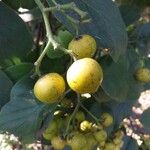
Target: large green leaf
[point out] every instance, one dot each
(145, 118)
(143, 42)
(129, 144)
(22, 116)
(15, 4)
(119, 82)
(130, 13)
(5, 88)
(15, 39)
(17, 71)
(106, 26)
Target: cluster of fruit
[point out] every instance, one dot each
(83, 134)
(83, 76)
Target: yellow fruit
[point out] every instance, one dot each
(143, 75)
(77, 141)
(83, 46)
(85, 76)
(49, 88)
(107, 119)
(110, 146)
(58, 143)
(80, 116)
(85, 126)
(100, 136)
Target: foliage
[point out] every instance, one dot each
(32, 49)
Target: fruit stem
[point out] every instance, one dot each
(72, 115)
(71, 118)
(95, 119)
(51, 40)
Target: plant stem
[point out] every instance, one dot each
(71, 118)
(39, 60)
(51, 40)
(95, 119)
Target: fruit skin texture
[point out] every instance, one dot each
(80, 116)
(85, 76)
(51, 130)
(77, 141)
(83, 46)
(107, 119)
(49, 88)
(100, 136)
(58, 143)
(143, 75)
(110, 146)
(85, 126)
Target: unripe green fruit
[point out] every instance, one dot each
(80, 116)
(107, 119)
(100, 136)
(143, 75)
(109, 146)
(48, 136)
(77, 141)
(58, 143)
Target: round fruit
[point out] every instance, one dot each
(110, 146)
(83, 46)
(80, 116)
(48, 136)
(58, 143)
(107, 119)
(91, 141)
(85, 76)
(143, 75)
(52, 127)
(49, 88)
(117, 141)
(100, 136)
(85, 126)
(77, 141)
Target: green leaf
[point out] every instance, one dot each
(124, 110)
(145, 118)
(119, 82)
(143, 42)
(58, 65)
(15, 4)
(129, 13)
(52, 54)
(106, 26)
(18, 71)
(64, 37)
(129, 144)
(22, 116)
(5, 88)
(28, 4)
(15, 39)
